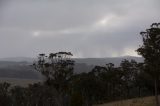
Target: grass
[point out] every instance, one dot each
(146, 101)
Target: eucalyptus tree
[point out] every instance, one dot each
(110, 81)
(5, 99)
(88, 88)
(58, 70)
(150, 50)
(128, 71)
(143, 81)
(19, 96)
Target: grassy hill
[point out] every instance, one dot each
(146, 101)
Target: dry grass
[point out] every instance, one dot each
(146, 101)
(19, 82)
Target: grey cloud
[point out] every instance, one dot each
(29, 27)
(55, 15)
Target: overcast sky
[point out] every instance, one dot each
(87, 28)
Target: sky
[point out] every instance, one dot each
(87, 28)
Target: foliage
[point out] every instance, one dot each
(58, 70)
(64, 88)
(4, 94)
(150, 50)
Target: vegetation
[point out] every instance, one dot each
(150, 50)
(102, 84)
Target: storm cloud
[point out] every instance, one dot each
(87, 28)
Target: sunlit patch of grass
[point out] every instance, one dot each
(146, 101)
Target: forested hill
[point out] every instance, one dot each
(102, 61)
(20, 67)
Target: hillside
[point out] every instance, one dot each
(22, 70)
(20, 67)
(102, 61)
(146, 101)
(19, 82)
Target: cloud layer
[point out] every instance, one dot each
(87, 28)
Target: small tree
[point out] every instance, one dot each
(150, 50)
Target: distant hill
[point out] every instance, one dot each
(20, 67)
(18, 59)
(103, 61)
(88, 61)
(23, 70)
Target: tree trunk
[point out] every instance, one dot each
(156, 92)
(139, 91)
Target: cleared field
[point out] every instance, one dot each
(19, 82)
(146, 101)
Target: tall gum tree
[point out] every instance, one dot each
(150, 50)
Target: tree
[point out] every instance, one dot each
(5, 99)
(18, 95)
(109, 78)
(150, 50)
(58, 70)
(87, 87)
(41, 95)
(128, 69)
